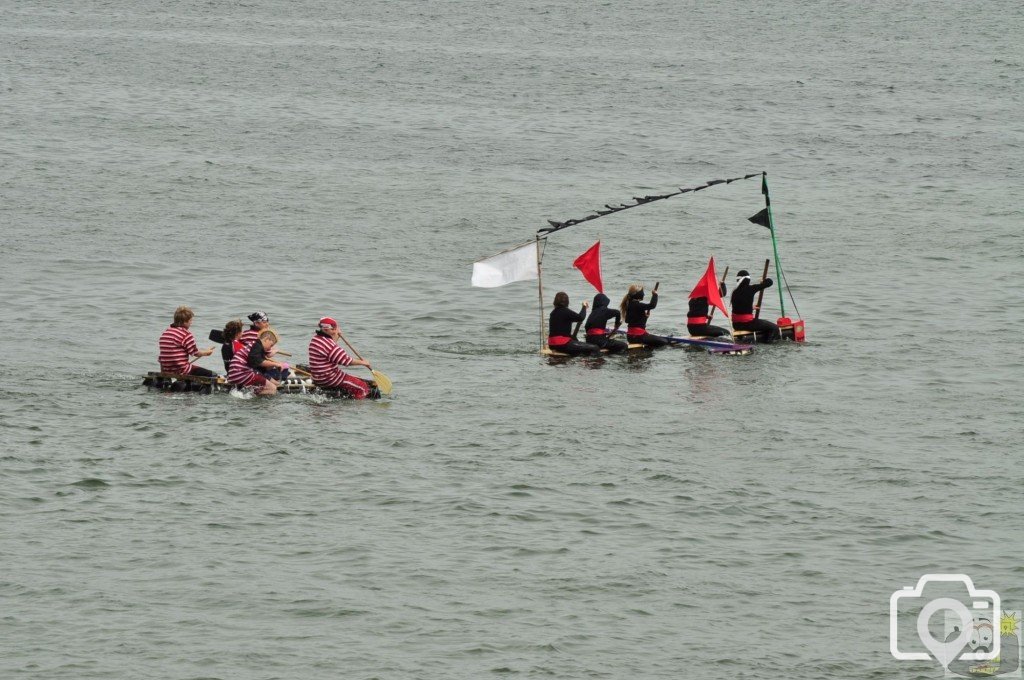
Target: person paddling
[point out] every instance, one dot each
(742, 302)
(597, 325)
(698, 322)
(635, 313)
(177, 344)
(243, 374)
(560, 323)
(326, 355)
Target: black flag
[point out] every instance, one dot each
(761, 218)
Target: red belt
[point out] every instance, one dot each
(697, 320)
(596, 331)
(559, 340)
(742, 318)
(636, 330)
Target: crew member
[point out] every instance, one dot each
(635, 312)
(597, 325)
(267, 366)
(242, 374)
(560, 324)
(326, 355)
(177, 344)
(742, 301)
(232, 343)
(697, 321)
(260, 322)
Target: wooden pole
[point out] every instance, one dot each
(540, 297)
(760, 295)
(711, 312)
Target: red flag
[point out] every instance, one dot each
(589, 264)
(708, 287)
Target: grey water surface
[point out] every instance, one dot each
(679, 515)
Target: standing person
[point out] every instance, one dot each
(326, 355)
(560, 323)
(697, 321)
(177, 344)
(635, 312)
(742, 302)
(230, 337)
(242, 374)
(597, 322)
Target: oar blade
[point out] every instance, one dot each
(383, 382)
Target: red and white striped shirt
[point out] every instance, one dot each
(239, 371)
(176, 346)
(248, 337)
(324, 356)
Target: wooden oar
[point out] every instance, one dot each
(760, 294)
(305, 374)
(653, 292)
(711, 312)
(579, 323)
(383, 382)
(195, 359)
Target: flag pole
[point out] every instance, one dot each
(540, 295)
(711, 312)
(775, 245)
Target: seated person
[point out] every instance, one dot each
(242, 374)
(177, 344)
(325, 357)
(230, 337)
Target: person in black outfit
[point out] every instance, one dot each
(560, 328)
(597, 331)
(742, 301)
(229, 336)
(635, 312)
(259, 360)
(697, 321)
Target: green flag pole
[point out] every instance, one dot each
(775, 245)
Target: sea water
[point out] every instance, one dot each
(675, 515)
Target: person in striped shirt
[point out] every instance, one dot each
(177, 344)
(267, 366)
(241, 372)
(325, 356)
(260, 322)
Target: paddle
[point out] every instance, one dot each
(304, 374)
(760, 295)
(383, 382)
(579, 323)
(195, 359)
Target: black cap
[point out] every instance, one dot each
(742, 272)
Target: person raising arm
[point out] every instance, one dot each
(635, 313)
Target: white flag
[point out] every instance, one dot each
(517, 264)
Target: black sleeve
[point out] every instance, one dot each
(767, 283)
(257, 355)
(654, 301)
(581, 315)
(616, 314)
